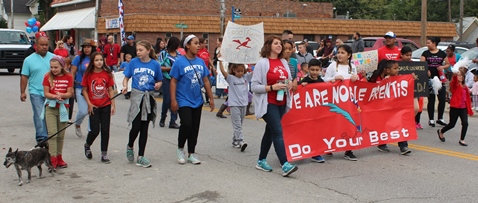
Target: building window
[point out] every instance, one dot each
(205, 35)
(309, 37)
(168, 34)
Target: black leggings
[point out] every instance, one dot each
(454, 114)
(71, 101)
(441, 104)
(100, 120)
(141, 127)
(189, 130)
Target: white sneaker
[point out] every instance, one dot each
(180, 153)
(192, 159)
(78, 132)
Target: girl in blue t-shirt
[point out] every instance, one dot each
(146, 76)
(78, 68)
(188, 75)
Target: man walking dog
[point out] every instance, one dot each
(34, 68)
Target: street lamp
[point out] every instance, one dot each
(335, 12)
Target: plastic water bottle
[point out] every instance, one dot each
(280, 95)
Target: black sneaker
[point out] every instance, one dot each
(383, 148)
(105, 159)
(441, 122)
(161, 122)
(431, 123)
(405, 151)
(174, 126)
(350, 156)
(88, 153)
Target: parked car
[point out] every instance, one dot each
(13, 44)
(313, 44)
(459, 44)
(418, 53)
(374, 43)
(471, 54)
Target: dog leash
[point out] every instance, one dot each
(45, 140)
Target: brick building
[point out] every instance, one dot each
(149, 19)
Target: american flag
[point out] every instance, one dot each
(121, 21)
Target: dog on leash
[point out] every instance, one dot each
(26, 160)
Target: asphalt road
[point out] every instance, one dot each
(434, 171)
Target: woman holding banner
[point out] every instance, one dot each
(270, 85)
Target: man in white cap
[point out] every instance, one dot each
(389, 51)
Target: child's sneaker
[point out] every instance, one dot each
(243, 145)
(105, 159)
(236, 144)
(88, 153)
(143, 162)
(419, 126)
(318, 159)
(129, 153)
(288, 169)
(180, 153)
(192, 159)
(349, 155)
(405, 151)
(78, 131)
(263, 165)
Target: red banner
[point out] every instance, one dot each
(345, 115)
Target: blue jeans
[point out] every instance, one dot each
(167, 103)
(273, 133)
(38, 102)
(113, 68)
(82, 107)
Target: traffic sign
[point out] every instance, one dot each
(237, 13)
(181, 25)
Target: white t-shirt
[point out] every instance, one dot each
(238, 89)
(345, 71)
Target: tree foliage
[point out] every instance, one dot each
(409, 10)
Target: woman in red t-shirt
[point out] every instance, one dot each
(270, 84)
(98, 89)
(60, 49)
(58, 87)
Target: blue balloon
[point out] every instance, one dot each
(29, 30)
(30, 22)
(35, 29)
(34, 20)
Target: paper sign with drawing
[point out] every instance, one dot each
(242, 44)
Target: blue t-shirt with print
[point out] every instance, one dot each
(190, 81)
(143, 74)
(124, 65)
(81, 69)
(35, 67)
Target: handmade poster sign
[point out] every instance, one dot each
(242, 44)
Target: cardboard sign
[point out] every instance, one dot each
(242, 44)
(420, 69)
(365, 61)
(345, 115)
(118, 78)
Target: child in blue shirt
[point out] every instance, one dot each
(123, 66)
(146, 76)
(189, 75)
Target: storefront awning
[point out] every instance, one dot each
(76, 19)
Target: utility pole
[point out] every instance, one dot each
(423, 37)
(461, 20)
(449, 10)
(223, 13)
(11, 9)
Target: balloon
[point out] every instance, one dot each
(29, 29)
(26, 23)
(38, 24)
(30, 22)
(35, 29)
